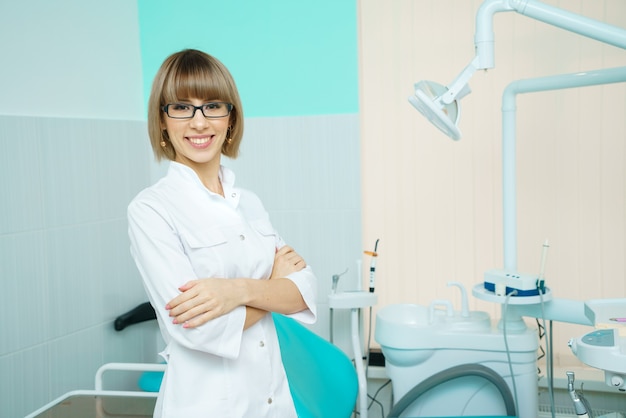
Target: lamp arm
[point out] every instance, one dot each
(459, 87)
(484, 35)
(591, 28)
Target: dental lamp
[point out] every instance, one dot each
(440, 105)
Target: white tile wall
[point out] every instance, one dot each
(64, 261)
(65, 266)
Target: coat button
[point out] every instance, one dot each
(233, 195)
(261, 344)
(269, 400)
(242, 237)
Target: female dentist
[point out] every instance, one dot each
(211, 262)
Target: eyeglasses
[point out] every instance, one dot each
(188, 111)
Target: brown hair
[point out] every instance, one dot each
(192, 74)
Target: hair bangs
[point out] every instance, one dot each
(196, 78)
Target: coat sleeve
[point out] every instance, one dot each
(306, 282)
(164, 267)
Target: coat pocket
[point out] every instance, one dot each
(201, 238)
(205, 249)
(263, 227)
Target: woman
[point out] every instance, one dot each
(211, 262)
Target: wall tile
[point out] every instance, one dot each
(21, 188)
(24, 382)
(23, 275)
(64, 252)
(73, 360)
(92, 168)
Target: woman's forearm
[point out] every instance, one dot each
(253, 315)
(277, 295)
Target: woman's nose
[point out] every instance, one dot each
(198, 120)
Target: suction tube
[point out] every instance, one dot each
(455, 372)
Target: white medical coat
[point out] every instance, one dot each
(179, 231)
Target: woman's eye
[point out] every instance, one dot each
(180, 106)
(213, 106)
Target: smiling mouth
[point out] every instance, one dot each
(200, 141)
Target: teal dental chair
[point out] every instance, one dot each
(322, 378)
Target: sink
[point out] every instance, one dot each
(400, 330)
(402, 325)
(410, 334)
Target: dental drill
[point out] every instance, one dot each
(581, 405)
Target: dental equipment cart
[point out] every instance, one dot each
(100, 403)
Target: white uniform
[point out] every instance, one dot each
(180, 231)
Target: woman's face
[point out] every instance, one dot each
(198, 141)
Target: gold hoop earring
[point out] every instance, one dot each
(163, 144)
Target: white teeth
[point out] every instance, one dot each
(199, 141)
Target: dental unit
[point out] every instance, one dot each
(431, 358)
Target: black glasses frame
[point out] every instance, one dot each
(165, 108)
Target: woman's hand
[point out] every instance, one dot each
(286, 261)
(205, 299)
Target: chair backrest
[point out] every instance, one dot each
(322, 378)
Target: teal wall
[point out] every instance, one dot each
(289, 58)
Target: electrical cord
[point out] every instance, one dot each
(373, 398)
(541, 332)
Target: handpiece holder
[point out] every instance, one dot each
(354, 301)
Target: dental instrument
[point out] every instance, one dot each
(336, 280)
(333, 290)
(580, 404)
(542, 268)
(374, 255)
